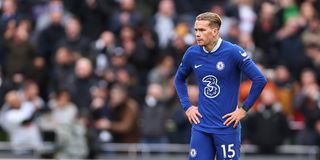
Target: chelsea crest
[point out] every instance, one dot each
(220, 66)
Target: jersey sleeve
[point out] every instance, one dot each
(182, 73)
(249, 68)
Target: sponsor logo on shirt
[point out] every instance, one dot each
(212, 88)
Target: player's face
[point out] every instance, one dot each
(205, 34)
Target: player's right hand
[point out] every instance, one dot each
(193, 115)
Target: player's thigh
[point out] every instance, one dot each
(227, 146)
(201, 146)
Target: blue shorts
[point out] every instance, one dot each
(205, 146)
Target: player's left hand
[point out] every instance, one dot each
(234, 117)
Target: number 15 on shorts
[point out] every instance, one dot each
(228, 151)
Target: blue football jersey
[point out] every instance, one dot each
(218, 74)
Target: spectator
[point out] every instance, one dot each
(182, 127)
(244, 12)
(8, 15)
(311, 35)
(74, 40)
(234, 32)
(137, 56)
(38, 74)
(49, 37)
(62, 74)
(164, 22)
(17, 119)
(307, 11)
(63, 111)
(9, 12)
(154, 116)
(99, 110)
(81, 86)
(95, 16)
(30, 93)
(70, 134)
(19, 51)
(145, 52)
(123, 124)
(44, 17)
(306, 101)
(286, 89)
(313, 53)
(264, 33)
(103, 48)
(127, 40)
(288, 9)
(127, 15)
(162, 73)
(268, 127)
(14, 82)
(180, 42)
(120, 71)
(290, 46)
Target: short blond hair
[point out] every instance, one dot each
(213, 18)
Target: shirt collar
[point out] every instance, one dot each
(215, 47)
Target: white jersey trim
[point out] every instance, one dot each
(215, 47)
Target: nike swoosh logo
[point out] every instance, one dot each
(243, 54)
(197, 66)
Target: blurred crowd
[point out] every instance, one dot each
(80, 73)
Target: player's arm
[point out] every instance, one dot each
(182, 73)
(248, 67)
(258, 83)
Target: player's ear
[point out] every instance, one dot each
(215, 31)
